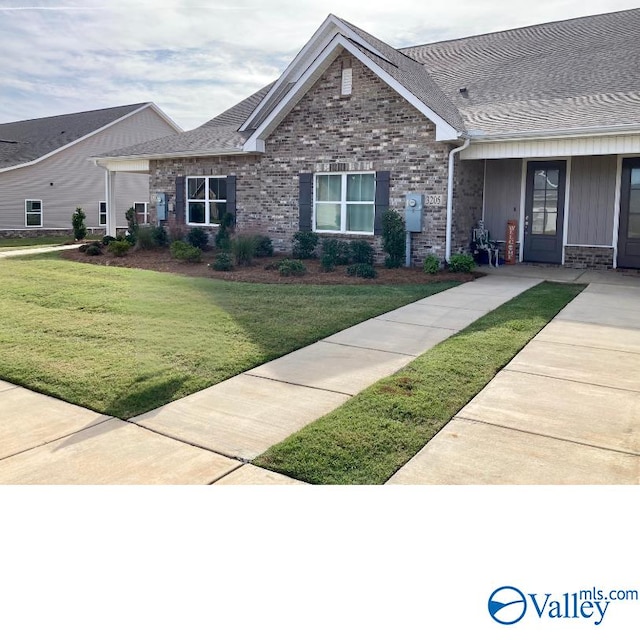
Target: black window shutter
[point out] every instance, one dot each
(180, 201)
(231, 198)
(305, 201)
(382, 199)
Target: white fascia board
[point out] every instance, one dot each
(444, 131)
(327, 31)
(79, 140)
(166, 118)
(582, 132)
(103, 161)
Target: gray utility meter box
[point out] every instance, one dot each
(414, 206)
(161, 206)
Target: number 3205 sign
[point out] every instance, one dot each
(433, 200)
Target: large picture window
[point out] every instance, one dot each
(33, 213)
(344, 202)
(206, 200)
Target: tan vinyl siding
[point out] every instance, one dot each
(591, 200)
(76, 180)
(503, 183)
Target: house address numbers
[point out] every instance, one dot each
(434, 200)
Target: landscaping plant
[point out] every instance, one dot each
(132, 221)
(393, 239)
(461, 263)
(160, 236)
(289, 267)
(431, 264)
(362, 270)
(243, 248)
(361, 252)
(119, 248)
(185, 252)
(145, 238)
(304, 244)
(223, 262)
(198, 237)
(264, 247)
(77, 222)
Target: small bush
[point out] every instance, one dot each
(431, 264)
(119, 248)
(361, 252)
(362, 270)
(223, 262)
(334, 252)
(289, 267)
(185, 252)
(93, 250)
(461, 263)
(304, 244)
(77, 222)
(264, 247)
(198, 238)
(223, 237)
(244, 249)
(107, 239)
(160, 236)
(145, 238)
(132, 221)
(393, 239)
(327, 262)
(129, 237)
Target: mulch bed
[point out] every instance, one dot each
(161, 260)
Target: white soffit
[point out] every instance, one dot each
(127, 166)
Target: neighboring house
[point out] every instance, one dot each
(540, 125)
(45, 171)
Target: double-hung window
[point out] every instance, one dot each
(102, 214)
(141, 210)
(206, 200)
(344, 202)
(33, 213)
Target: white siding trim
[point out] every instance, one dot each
(484, 189)
(128, 166)
(523, 201)
(567, 191)
(616, 212)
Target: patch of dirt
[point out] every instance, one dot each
(161, 260)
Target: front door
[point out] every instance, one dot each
(629, 229)
(544, 211)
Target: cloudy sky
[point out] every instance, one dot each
(196, 58)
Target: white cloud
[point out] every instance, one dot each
(196, 58)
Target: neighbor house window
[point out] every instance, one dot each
(33, 213)
(102, 214)
(141, 212)
(344, 202)
(206, 200)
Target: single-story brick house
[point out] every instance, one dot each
(45, 171)
(539, 124)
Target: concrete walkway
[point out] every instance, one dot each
(565, 410)
(211, 436)
(15, 253)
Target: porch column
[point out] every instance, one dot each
(110, 198)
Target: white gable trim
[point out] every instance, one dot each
(327, 31)
(444, 131)
(148, 105)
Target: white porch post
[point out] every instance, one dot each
(111, 202)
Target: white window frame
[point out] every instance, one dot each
(102, 213)
(207, 201)
(146, 211)
(26, 213)
(344, 202)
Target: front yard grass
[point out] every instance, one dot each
(124, 341)
(367, 439)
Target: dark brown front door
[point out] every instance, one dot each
(629, 229)
(544, 211)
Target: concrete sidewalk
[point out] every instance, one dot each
(211, 436)
(15, 253)
(565, 410)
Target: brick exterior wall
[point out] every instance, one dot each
(588, 257)
(374, 129)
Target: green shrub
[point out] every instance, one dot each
(160, 236)
(304, 244)
(431, 264)
(327, 262)
(184, 251)
(145, 238)
(289, 267)
(132, 221)
(393, 239)
(244, 249)
(77, 222)
(128, 237)
(198, 237)
(119, 248)
(264, 247)
(93, 250)
(361, 252)
(362, 270)
(223, 262)
(223, 237)
(461, 263)
(82, 248)
(334, 252)
(107, 239)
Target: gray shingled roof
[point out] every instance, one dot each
(572, 74)
(28, 140)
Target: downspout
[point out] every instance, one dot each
(447, 251)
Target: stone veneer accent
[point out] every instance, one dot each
(588, 257)
(374, 129)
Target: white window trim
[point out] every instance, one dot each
(33, 226)
(206, 201)
(101, 213)
(146, 211)
(343, 203)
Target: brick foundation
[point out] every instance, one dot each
(588, 257)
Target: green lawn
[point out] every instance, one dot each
(367, 439)
(124, 341)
